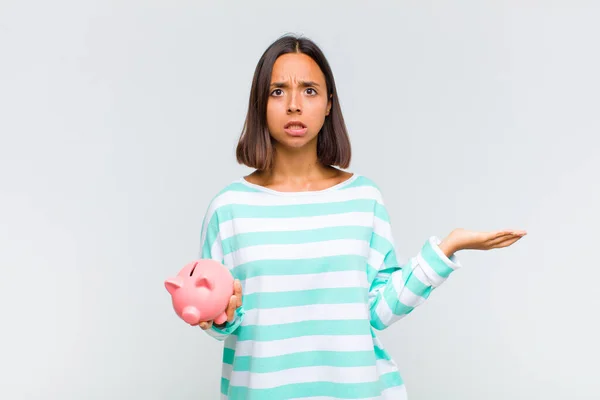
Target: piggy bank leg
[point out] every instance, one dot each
(221, 319)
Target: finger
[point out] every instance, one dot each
(507, 232)
(504, 242)
(498, 236)
(509, 242)
(205, 324)
(238, 292)
(231, 308)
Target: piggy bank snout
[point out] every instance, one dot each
(191, 315)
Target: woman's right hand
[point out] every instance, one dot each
(235, 301)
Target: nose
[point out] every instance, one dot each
(294, 103)
(191, 315)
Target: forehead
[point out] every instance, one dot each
(295, 66)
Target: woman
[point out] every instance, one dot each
(311, 245)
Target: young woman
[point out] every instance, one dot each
(311, 245)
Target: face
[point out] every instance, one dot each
(297, 93)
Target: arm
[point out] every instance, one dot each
(211, 248)
(397, 290)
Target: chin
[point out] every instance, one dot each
(295, 142)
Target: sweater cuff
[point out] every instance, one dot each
(230, 327)
(435, 264)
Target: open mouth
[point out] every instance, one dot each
(295, 128)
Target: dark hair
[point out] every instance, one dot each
(255, 147)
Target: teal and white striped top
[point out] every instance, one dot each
(319, 275)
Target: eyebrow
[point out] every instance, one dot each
(302, 83)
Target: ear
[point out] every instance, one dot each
(202, 281)
(172, 284)
(329, 105)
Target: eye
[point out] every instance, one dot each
(315, 92)
(276, 90)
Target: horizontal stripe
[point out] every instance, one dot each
(314, 312)
(323, 280)
(432, 278)
(386, 367)
(210, 233)
(303, 375)
(381, 315)
(415, 279)
(244, 240)
(248, 270)
(391, 379)
(381, 212)
(402, 292)
(239, 186)
(299, 329)
(328, 390)
(396, 392)
(228, 355)
(376, 260)
(224, 386)
(216, 252)
(298, 251)
(372, 274)
(381, 354)
(434, 261)
(385, 316)
(383, 246)
(394, 299)
(259, 198)
(261, 224)
(342, 295)
(360, 180)
(259, 363)
(304, 343)
(227, 370)
(304, 359)
(381, 226)
(217, 335)
(390, 386)
(297, 204)
(243, 211)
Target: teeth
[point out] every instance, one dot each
(295, 127)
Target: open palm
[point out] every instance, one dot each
(463, 239)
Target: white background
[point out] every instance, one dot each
(118, 124)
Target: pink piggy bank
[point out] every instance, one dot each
(201, 291)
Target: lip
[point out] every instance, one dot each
(295, 132)
(291, 123)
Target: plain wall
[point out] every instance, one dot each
(118, 124)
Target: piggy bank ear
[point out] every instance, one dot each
(172, 284)
(202, 281)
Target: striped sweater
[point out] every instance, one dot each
(319, 277)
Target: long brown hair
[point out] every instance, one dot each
(255, 146)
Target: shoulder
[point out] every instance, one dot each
(364, 181)
(366, 185)
(236, 191)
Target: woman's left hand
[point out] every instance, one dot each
(462, 239)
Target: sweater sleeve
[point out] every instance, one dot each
(395, 289)
(211, 248)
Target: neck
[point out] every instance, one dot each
(296, 165)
